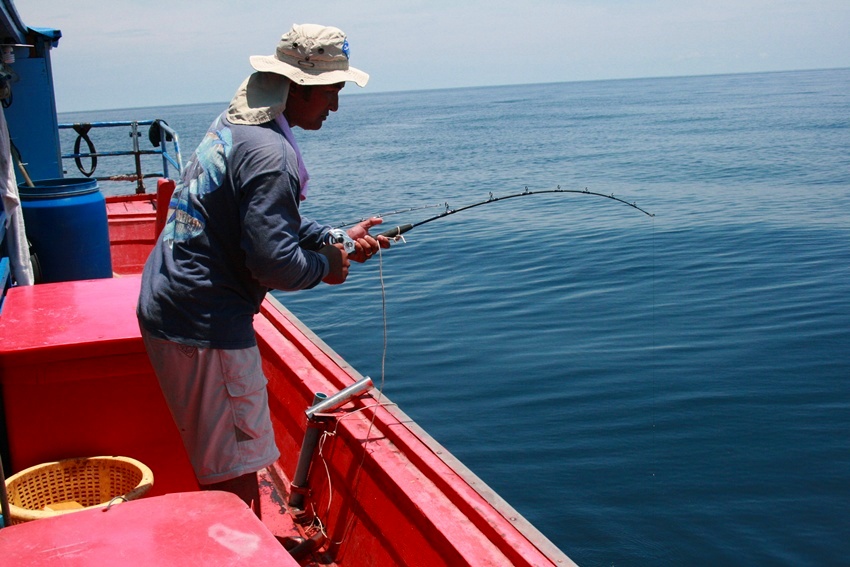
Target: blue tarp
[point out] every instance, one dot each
(12, 27)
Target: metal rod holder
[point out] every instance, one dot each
(321, 404)
(340, 398)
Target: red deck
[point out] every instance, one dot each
(178, 530)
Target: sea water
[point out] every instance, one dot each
(665, 390)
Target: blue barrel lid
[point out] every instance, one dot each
(64, 187)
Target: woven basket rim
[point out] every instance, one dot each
(19, 514)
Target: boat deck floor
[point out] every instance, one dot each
(301, 540)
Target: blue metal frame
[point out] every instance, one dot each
(166, 135)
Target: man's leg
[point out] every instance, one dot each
(245, 487)
(219, 403)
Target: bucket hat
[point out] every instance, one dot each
(311, 54)
(308, 54)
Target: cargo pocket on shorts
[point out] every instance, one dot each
(246, 387)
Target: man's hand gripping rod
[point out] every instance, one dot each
(397, 231)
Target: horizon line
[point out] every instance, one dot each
(485, 86)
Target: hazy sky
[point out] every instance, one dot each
(134, 53)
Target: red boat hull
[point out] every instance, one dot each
(76, 382)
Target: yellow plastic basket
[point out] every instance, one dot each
(71, 485)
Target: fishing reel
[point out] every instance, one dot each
(339, 236)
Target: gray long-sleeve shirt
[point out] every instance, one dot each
(234, 232)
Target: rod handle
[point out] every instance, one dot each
(397, 231)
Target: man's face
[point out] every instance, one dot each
(308, 107)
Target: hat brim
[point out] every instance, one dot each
(304, 76)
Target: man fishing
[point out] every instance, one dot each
(235, 232)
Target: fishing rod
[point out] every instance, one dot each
(399, 230)
(389, 214)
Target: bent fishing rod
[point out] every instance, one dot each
(401, 229)
(339, 236)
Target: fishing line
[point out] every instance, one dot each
(399, 230)
(379, 403)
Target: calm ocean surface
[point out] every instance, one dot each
(672, 390)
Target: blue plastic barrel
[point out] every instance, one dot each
(66, 223)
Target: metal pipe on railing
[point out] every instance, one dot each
(165, 133)
(321, 404)
(110, 123)
(111, 154)
(134, 133)
(305, 456)
(339, 398)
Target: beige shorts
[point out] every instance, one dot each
(219, 402)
